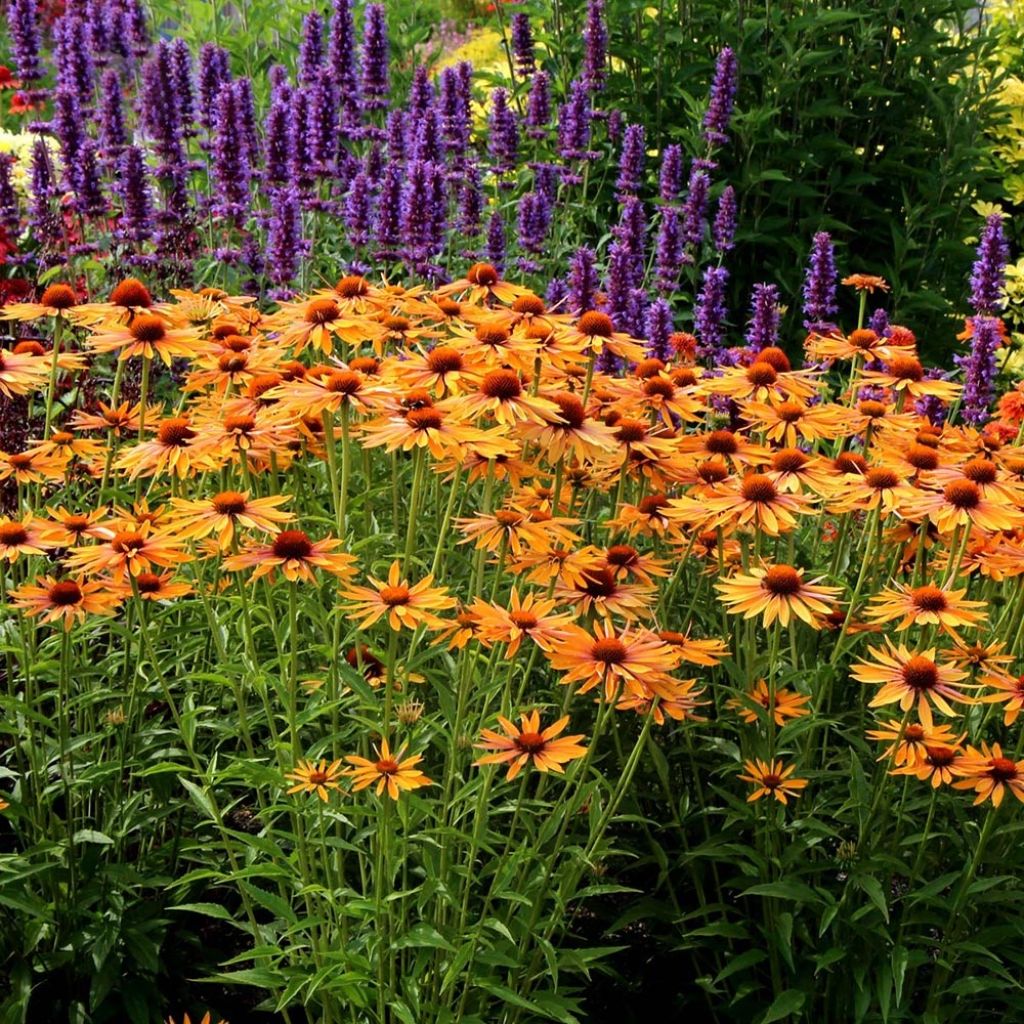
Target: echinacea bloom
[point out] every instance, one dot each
(909, 742)
(912, 679)
(66, 601)
(296, 555)
(861, 344)
(67, 529)
(122, 419)
(777, 592)
(753, 502)
(927, 605)
(791, 422)
(502, 397)
(904, 374)
(129, 551)
(514, 529)
(545, 749)
(226, 512)
(56, 302)
(31, 467)
(628, 661)
(787, 704)
(317, 322)
(160, 587)
(572, 433)
(770, 778)
(1009, 691)
(481, 283)
(679, 702)
(525, 617)
(760, 382)
(601, 592)
(989, 774)
(175, 450)
(698, 651)
(440, 430)
(866, 283)
(404, 605)
(938, 765)
(387, 771)
(594, 332)
(962, 504)
(146, 337)
(21, 373)
(22, 538)
(315, 777)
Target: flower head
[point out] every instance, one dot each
(546, 749)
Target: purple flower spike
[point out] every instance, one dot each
(710, 313)
(631, 163)
(538, 106)
(23, 26)
(820, 303)
(583, 281)
(763, 329)
(695, 209)
(376, 55)
(311, 52)
(522, 45)
(341, 47)
(496, 242)
(503, 140)
(670, 250)
(987, 277)
(720, 103)
(135, 224)
(980, 370)
(595, 40)
(658, 328)
(670, 180)
(284, 237)
(723, 231)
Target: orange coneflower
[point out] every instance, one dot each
(502, 397)
(632, 661)
(526, 617)
(404, 605)
(312, 395)
(876, 487)
(777, 592)
(991, 480)
(962, 504)
(913, 679)
(593, 332)
(1009, 692)
(31, 467)
(131, 551)
(514, 529)
(787, 704)
(625, 562)
(979, 656)
(569, 566)
(527, 743)
(697, 651)
(439, 430)
(760, 382)
(600, 592)
(67, 529)
(770, 779)
(862, 343)
(460, 630)
(56, 302)
(296, 555)
(751, 502)
(174, 450)
(651, 516)
(225, 512)
(123, 419)
(444, 370)
(63, 446)
(905, 375)
(482, 282)
(573, 433)
(678, 702)
(989, 774)
(67, 601)
(792, 470)
(147, 336)
(388, 770)
(789, 422)
(22, 538)
(909, 742)
(315, 777)
(129, 298)
(21, 372)
(723, 444)
(927, 605)
(317, 322)
(866, 282)
(939, 765)
(160, 587)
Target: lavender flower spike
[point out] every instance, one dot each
(631, 163)
(980, 370)
(987, 277)
(595, 38)
(820, 284)
(763, 329)
(376, 54)
(724, 229)
(658, 328)
(709, 313)
(723, 95)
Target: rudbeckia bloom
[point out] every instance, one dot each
(160, 587)
(482, 282)
(789, 422)
(905, 374)
(67, 529)
(175, 451)
(788, 704)
(317, 322)
(760, 381)
(315, 777)
(961, 503)
(751, 502)
(515, 529)
(573, 433)
(56, 302)
(770, 778)
(777, 592)
(927, 605)
(912, 679)
(632, 661)
(66, 601)
(594, 332)
(225, 512)
(131, 551)
(21, 538)
(21, 373)
(989, 774)
(678, 703)
(1009, 691)
(545, 749)
(909, 742)
(388, 770)
(526, 617)
(296, 555)
(437, 429)
(938, 765)
(501, 397)
(147, 335)
(404, 605)
(600, 592)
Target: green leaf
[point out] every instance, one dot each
(786, 1004)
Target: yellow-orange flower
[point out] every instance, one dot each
(314, 777)
(226, 512)
(989, 774)
(770, 778)
(404, 605)
(546, 749)
(129, 551)
(388, 771)
(526, 617)
(777, 592)
(787, 704)
(65, 601)
(910, 742)
(296, 555)
(927, 605)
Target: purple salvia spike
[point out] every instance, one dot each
(359, 210)
(278, 144)
(181, 70)
(723, 231)
(229, 165)
(285, 244)
(496, 241)
(820, 284)
(538, 106)
(723, 95)
(341, 48)
(631, 162)
(387, 223)
(658, 328)
(522, 45)
(23, 27)
(981, 367)
(135, 224)
(583, 281)
(670, 179)
(311, 51)
(471, 202)
(695, 209)
(376, 56)
(113, 136)
(763, 329)
(10, 207)
(710, 313)
(595, 40)
(213, 74)
(503, 137)
(988, 275)
(670, 253)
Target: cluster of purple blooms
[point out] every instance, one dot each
(168, 149)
